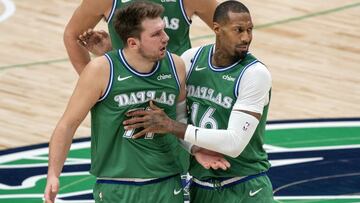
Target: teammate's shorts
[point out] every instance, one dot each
(254, 190)
(162, 190)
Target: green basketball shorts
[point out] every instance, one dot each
(253, 190)
(163, 190)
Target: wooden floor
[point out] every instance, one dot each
(312, 48)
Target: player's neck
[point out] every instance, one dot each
(138, 62)
(222, 59)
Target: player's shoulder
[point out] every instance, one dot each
(190, 52)
(99, 62)
(259, 72)
(178, 61)
(258, 68)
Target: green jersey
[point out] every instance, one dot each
(177, 24)
(114, 154)
(211, 94)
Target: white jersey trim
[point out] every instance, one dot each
(113, 8)
(127, 65)
(187, 19)
(110, 78)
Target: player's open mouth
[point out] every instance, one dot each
(242, 47)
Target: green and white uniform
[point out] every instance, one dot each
(212, 93)
(114, 154)
(177, 25)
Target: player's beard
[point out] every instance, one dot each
(150, 57)
(242, 54)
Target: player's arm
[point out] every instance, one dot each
(244, 118)
(86, 16)
(253, 96)
(203, 8)
(158, 119)
(205, 158)
(91, 85)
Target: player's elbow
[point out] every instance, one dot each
(234, 151)
(70, 35)
(236, 145)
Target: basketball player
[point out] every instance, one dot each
(177, 17)
(123, 80)
(228, 94)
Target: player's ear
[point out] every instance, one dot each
(132, 42)
(216, 27)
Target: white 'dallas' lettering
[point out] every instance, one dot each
(144, 96)
(172, 24)
(210, 95)
(164, 76)
(228, 77)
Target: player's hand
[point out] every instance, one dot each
(96, 42)
(51, 189)
(152, 120)
(210, 159)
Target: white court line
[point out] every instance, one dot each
(9, 9)
(317, 197)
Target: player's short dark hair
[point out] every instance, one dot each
(222, 10)
(128, 19)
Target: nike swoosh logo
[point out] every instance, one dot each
(196, 133)
(124, 1)
(251, 193)
(176, 192)
(124, 78)
(197, 68)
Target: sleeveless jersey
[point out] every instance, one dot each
(211, 94)
(177, 25)
(114, 153)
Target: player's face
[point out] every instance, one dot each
(235, 36)
(153, 39)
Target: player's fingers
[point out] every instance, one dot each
(81, 36)
(84, 35)
(153, 106)
(226, 163)
(140, 134)
(82, 43)
(89, 31)
(206, 165)
(137, 113)
(214, 165)
(103, 33)
(222, 166)
(133, 126)
(50, 193)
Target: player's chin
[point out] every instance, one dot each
(242, 53)
(162, 54)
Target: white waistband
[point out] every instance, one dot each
(138, 180)
(222, 183)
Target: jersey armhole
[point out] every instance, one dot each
(237, 85)
(112, 12)
(193, 61)
(182, 7)
(172, 64)
(109, 85)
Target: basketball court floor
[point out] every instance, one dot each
(311, 47)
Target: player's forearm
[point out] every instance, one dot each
(58, 148)
(177, 128)
(78, 55)
(231, 141)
